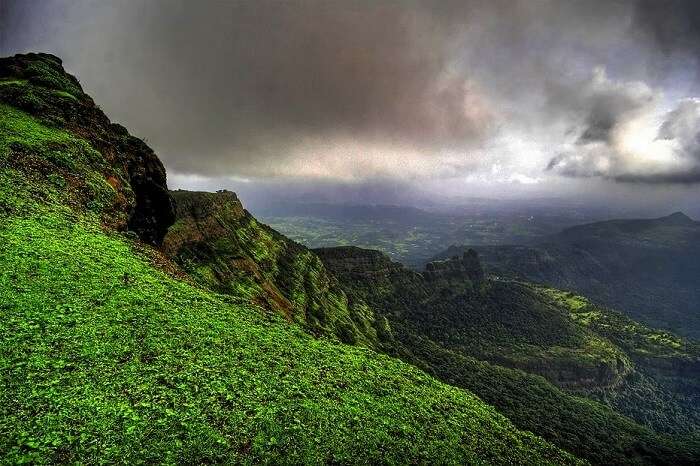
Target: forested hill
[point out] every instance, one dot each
(554, 363)
(647, 268)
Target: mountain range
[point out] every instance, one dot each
(647, 268)
(146, 325)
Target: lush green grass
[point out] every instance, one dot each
(48, 73)
(19, 128)
(42, 166)
(104, 358)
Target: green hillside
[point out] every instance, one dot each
(579, 384)
(664, 389)
(110, 354)
(227, 250)
(646, 268)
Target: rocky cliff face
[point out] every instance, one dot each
(226, 249)
(453, 304)
(202, 217)
(466, 267)
(38, 85)
(366, 264)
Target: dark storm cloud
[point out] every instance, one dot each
(363, 89)
(240, 84)
(674, 25)
(669, 152)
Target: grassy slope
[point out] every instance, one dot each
(96, 367)
(106, 358)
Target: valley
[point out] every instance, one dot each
(145, 325)
(412, 235)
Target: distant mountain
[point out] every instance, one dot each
(648, 268)
(348, 212)
(413, 235)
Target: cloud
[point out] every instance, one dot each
(608, 103)
(357, 91)
(625, 140)
(270, 88)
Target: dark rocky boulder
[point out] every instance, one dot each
(37, 84)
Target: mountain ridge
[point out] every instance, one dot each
(441, 332)
(108, 357)
(648, 268)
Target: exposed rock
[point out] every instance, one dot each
(37, 84)
(358, 262)
(574, 373)
(467, 267)
(202, 217)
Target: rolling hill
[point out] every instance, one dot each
(647, 268)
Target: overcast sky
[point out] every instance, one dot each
(453, 98)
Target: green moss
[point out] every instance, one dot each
(42, 166)
(48, 74)
(13, 82)
(65, 94)
(19, 128)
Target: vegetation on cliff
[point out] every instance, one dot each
(646, 268)
(227, 250)
(664, 390)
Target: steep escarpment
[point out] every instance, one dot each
(464, 268)
(367, 264)
(664, 389)
(646, 268)
(38, 85)
(227, 250)
(505, 323)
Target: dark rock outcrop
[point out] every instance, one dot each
(37, 84)
(467, 267)
(358, 262)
